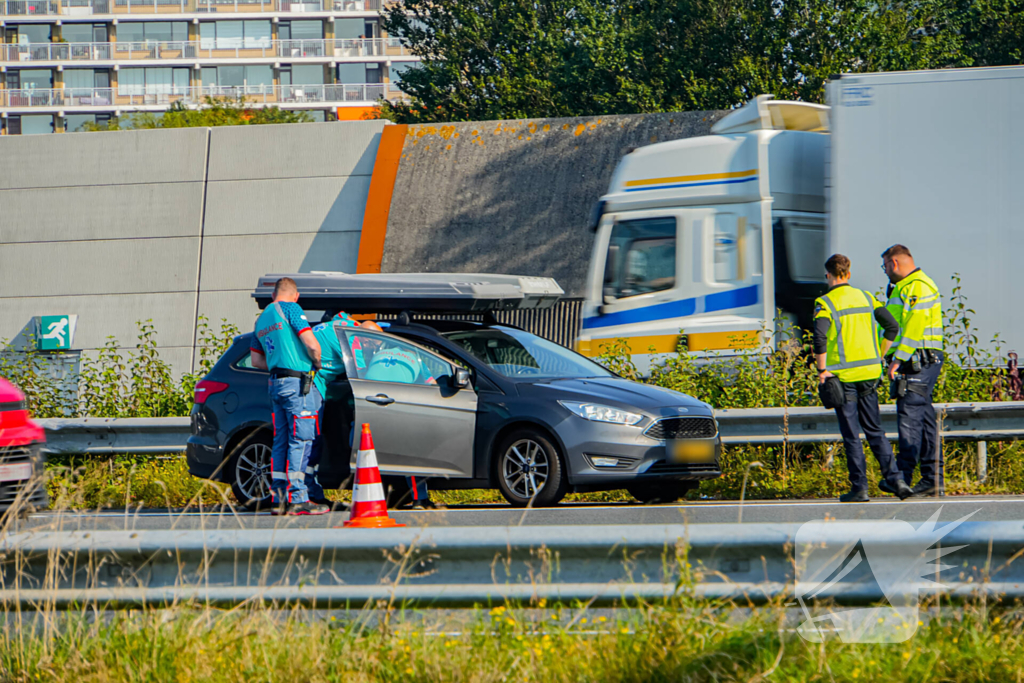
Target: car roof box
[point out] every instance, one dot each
(415, 292)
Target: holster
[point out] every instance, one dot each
(306, 382)
(898, 387)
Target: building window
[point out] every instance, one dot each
(85, 33)
(301, 30)
(253, 75)
(232, 35)
(36, 124)
(152, 81)
(29, 33)
(29, 79)
(152, 32)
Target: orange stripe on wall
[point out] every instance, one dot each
(378, 201)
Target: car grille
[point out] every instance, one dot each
(668, 468)
(683, 428)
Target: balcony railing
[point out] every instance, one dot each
(158, 95)
(90, 7)
(340, 48)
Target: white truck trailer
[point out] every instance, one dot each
(707, 237)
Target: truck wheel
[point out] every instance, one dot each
(660, 491)
(249, 471)
(529, 469)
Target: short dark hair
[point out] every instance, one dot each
(896, 250)
(838, 265)
(285, 284)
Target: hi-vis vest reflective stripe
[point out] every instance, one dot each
(852, 353)
(920, 318)
(281, 345)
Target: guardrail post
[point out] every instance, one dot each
(982, 461)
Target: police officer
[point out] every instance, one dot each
(918, 359)
(846, 346)
(284, 344)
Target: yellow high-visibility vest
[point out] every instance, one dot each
(852, 353)
(920, 318)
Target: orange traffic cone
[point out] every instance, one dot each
(369, 507)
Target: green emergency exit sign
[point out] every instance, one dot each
(55, 332)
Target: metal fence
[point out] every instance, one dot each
(94, 7)
(337, 49)
(165, 94)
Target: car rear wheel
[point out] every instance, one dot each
(250, 471)
(665, 491)
(530, 472)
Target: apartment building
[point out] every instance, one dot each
(64, 63)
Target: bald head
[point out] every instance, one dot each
(285, 289)
(370, 325)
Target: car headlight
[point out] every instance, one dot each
(598, 413)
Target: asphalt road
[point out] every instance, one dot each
(985, 508)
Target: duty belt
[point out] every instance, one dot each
(285, 372)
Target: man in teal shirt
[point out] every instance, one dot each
(332, 366)
(283, 344)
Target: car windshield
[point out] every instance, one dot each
(519, 354)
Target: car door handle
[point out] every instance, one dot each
(380, 399)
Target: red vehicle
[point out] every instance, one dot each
(21, 453)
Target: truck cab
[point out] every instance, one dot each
(700, 241)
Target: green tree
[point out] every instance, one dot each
(488, 59)
(214, 112)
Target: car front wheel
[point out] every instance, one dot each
(530, 472)
(250, 471)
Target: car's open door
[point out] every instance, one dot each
(423, 422)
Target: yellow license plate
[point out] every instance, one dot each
(693, 451)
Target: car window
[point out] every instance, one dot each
(382, 358)
(245, 363)
(518, 354)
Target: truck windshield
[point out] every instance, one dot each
(519, 354)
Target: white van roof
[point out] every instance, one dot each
(415, 292)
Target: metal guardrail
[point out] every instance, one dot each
(105, 436)
(101, 7)
(463, 566)
(979, 422)
(356, 49)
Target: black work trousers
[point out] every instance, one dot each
(861, 412)
(919, 431)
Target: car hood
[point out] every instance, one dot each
(620, 393)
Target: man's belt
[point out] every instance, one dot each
(285, 372)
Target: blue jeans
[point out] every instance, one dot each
(296, 424)
(313, 488)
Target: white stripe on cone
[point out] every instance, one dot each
(366, 459)
(368, 493)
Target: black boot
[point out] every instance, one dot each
(854, 497)
(928, 490)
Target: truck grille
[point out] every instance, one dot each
(15, 454)
(683, 428)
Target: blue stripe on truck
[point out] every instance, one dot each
(720, 301)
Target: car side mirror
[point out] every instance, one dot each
(462, 378)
